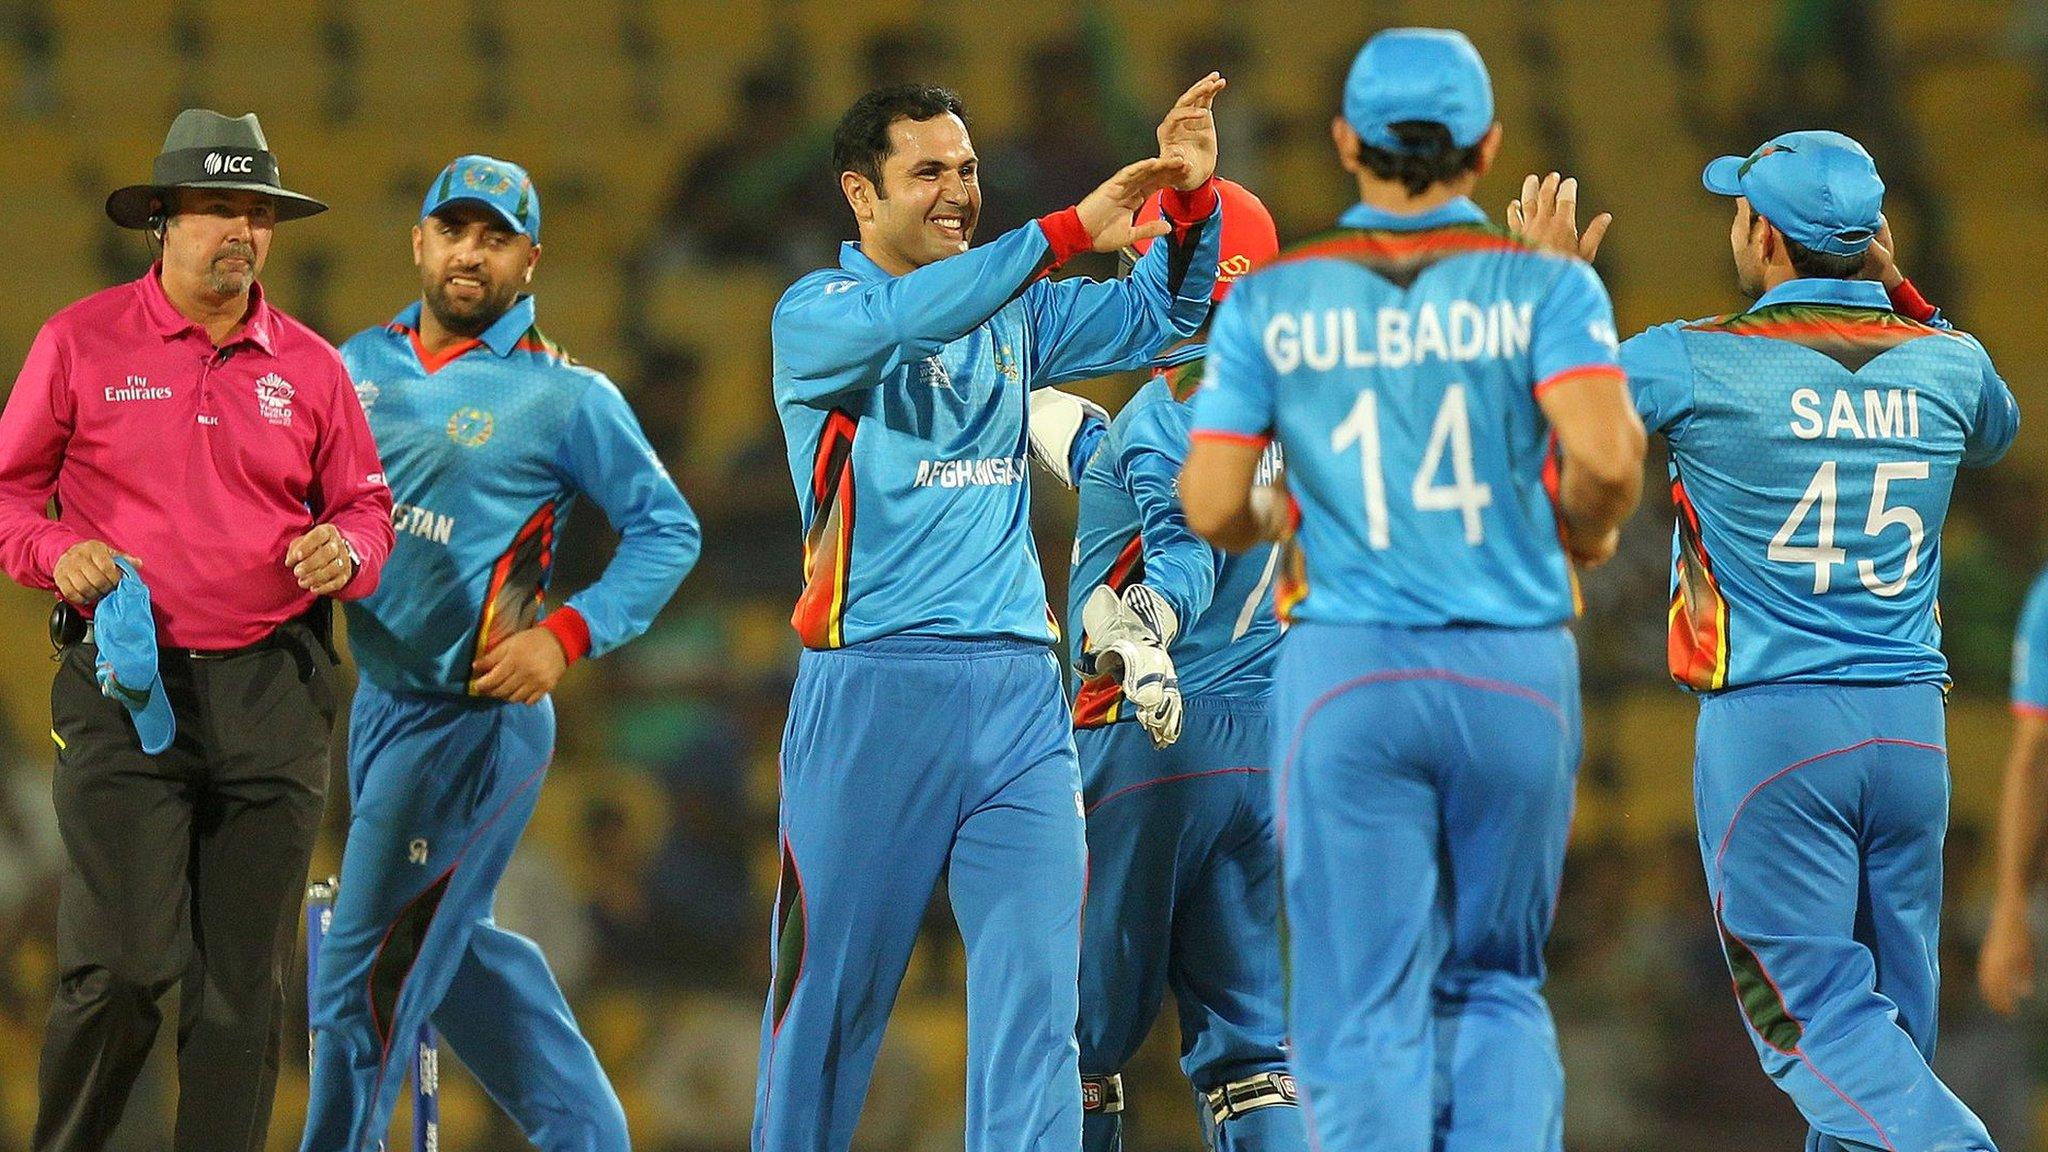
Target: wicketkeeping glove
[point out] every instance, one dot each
(1128, 637)
(1059, 426)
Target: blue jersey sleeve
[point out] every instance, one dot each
(1659, 377)
(1178, 564)
(1236, 397)
(2030, 651)
(606, 457)
(1089, 438)
(1572, 329)
(1085, 329)
(1998, 418)
(835, 332)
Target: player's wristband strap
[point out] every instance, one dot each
(1908, 302)
(1265, 1090)
(571, 629)
(1066, 234)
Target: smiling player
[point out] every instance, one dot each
(489, 434)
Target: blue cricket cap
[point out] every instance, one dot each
(500, 185)
(1820, 189)
(1428, 74)
(124, 631)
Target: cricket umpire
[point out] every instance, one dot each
(184, 423)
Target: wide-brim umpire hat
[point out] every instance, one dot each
(205, 149)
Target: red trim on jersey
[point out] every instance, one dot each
(1582, 372)
(1908, 302)
(1189, 207)
(435, 361)
(571, 629)
(1222, 437)
(1067, 236)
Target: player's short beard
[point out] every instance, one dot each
(469, 320)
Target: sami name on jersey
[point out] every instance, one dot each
(904, 404)
(1398, 360)
(486, 451)
(1814, 440)
(1132, 531)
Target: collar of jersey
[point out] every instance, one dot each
(1845, 293)
(1459, 211)
(860, 263)
(501, 337)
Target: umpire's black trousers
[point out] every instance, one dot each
(183, 868)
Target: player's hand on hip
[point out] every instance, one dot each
(523, 669)
(1107, 212)
(1547, 215)
(1189, 132)
(2005, 966)
(85, 572)
(1129, 635)
(320, 560)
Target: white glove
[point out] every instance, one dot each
(1128, 638)
(1057, 420)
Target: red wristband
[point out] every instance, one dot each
(571, 629)
(1189, 207)
(1908, 302)
(1067, 235)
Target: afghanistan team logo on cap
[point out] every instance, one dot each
(487, 179)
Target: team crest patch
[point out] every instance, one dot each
(274, 399)
(487, 179)
(470, 427)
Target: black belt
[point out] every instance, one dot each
(68, 626)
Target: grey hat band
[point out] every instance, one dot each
(187, 166)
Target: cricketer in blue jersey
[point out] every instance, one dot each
(489, 434)
(1456, 433)
(926, 730)
(1815, 438)
(1183, 876)
(2005, 965)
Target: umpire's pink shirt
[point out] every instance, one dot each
(203, 463)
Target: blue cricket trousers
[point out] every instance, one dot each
(1822, 811)
(1425, 794)
(903, 760)
(1183, 892)
(443, 787)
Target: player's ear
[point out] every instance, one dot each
(1345, 137)
(1489, 149)
(861, 195)
(416, 237)
(532, 262)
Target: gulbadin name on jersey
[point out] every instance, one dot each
(1461, 332)
(1885, 414)
(996, 471)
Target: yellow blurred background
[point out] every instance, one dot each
(680, 149)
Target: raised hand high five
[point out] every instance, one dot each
(1188, 133)
(1547, 215)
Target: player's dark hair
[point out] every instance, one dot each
(861, 142)
(1810, 265)
(1427, 156)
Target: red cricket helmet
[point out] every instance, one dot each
(1249, 238)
